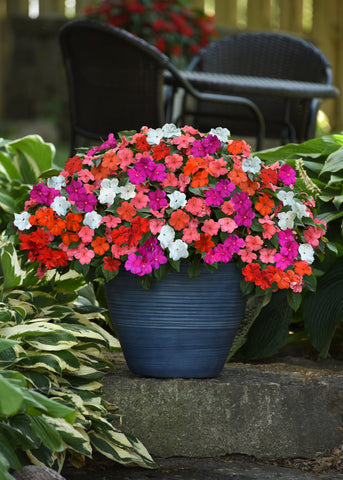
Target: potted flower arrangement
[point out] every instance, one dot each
(170, 201)
(175, 27)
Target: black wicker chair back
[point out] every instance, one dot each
(115, 82)
(264, 54)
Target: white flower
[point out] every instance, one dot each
(286, 220)
(21, 220)
(221, 133)
(56, 182)
(106, 195)
(128, 191)
(92, 220)
(177, 200)
(300, 209)
(154, 136)
(166, 236)
(178, 249)
(251, 164)
(113, 184)
(306, 252)
(287, 198)
(60, 205)
(170, 130)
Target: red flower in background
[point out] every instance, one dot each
(174, 27)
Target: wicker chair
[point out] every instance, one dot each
(116, 82)
(263, 54)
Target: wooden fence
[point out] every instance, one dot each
(320, 21)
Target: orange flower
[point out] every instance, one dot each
(237, 176)
(69, 237)
(193, 165)
(179, 219)
(265, 204)
(126, 211)
(205, 243)
(200, 179)
(100, 245)
(43, 216)
(302, 268)
(73, 221)
(235, 147)
(111, 161)
(111, 264)
(56, 225)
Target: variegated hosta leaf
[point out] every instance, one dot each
(76, 440)
(112, 451)
(48, 435)
(6, 344)
(112, 341)
(23, 308)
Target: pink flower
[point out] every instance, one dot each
(83, 254)
(197, 206)
(140, 200)
(184, 180)
(86, 234)
(183, 141)
(247, 255)
(111, 221)
(190, 235)
(173, 162)
(227, 208)
(227, 224)
(267, 255)
(253, 242)
(170, 180)
(85, 176)
(211, 227)
(155, 225)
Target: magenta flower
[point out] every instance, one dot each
(244, 217)
(213, 197)
(159, 173)
(153, 253)
(211, 144)
(43, 194)
(138, 265)
(287, 175)
(75, 190)
(86, 202)
(157, 199)
(197, 149)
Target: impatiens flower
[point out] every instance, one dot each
(306, 253)
(92, 220)
(222, 134)
(165, 196)
(287, 175)
(177, 199)
(56, 182)
(60, 205)
(286, 219)
(251, 164)
(166, 236)
(21, 220)
(178, 249)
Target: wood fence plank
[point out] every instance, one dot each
(51, 7)
(226, 13)
(259, 14)
(17, 7)
(291, 16)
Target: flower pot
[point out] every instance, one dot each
(179, 328)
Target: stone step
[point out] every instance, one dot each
(287, 409)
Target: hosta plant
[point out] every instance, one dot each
(54, 354)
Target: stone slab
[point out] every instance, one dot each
(266, 411)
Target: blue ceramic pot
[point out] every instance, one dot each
(180, 328)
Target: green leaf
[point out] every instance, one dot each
(323, 311)
(253, 307)
(47, 434)
(4, 468)
(11, 397)
(270, 330)
(8, 451)
(294, 300)
(13, 275)
(334, 162)
(5, 343)
(39, 153)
